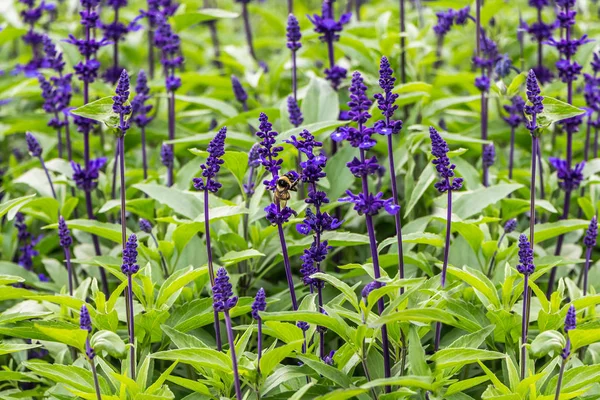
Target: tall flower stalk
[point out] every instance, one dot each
(130, 268)
(316, 222)
(445, 20)
(526, 268)
(31, 15)
(259, 304)
(509, 227)
(214, 37)
(540, 32)
(140, 113)
(209, 183)
(570, 324)
(35, 150)
(591, 93)
(329, 29)
(146, 227)
(65, 242)
(365, 203)
(223, 301)
(446, 184)
(388, 128)
(114, 32)
(277, 213)
(568, 71)
(170, 45)
(402, 42)
(590, 242)
(85, 323)
(247, 27)
(293, 43)
(514, 119)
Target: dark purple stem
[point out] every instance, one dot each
(596, 142)
(211, 272)
(69, 270)
(438, 326)
(248, 30)
(151, 51)
(47, 175)
(59, 136)
(484, 126)
(290, 6)
(259, 350)
(113, 190)
(163, 261)
(541, 168)
(236, 377)
(68, 139)
(294, 76)
(524, 324)
(534, 146)
(397, 216)
(402, 42)
(212, 27)
(116, 45)
(377, 272)
(286, 264)
(90, 213)
(171, 134)
(95, 375)
(588, 256)
(561, 373)
(512, 152)
(86, 99)
(478, 26)
(493, 259)
(144, 156)
(540, 51)
(131, 326)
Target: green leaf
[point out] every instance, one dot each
(584, 337)
(327, 371)
(8, 279)
(109, 342)
(430, 239)
(451, 358)
(424, 315)
(342, 394)
(175, 282)
(236, 162)
(102, 229)
(515, 85)
(6, 206)
(478, 281)
(425, 181)
(234, 257)
(183, 203)
(71, 375)
(312, 317)
(475, 201)
(546, 342)
(320, 103)
(436, 106)
(72, 337)
(272, 358)
(101, 110)
(188, 19)
(341, 286)
(283, 331)
(421, 382)
(8, 348)
(10, 33)
(214, 104)
(180, 339)
(200, 357)
(554, 111)
(463, 385)
(552, 229)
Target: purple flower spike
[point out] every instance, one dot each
(489, 155)
(445, 20)
(510, 225)
(439, 150)
(525, 265)
(238, 90)
(33, 145)
(145, 225)
(166, 155)
(223, 298)
(296, 117)
(130, 266)
(139, 107)
(591, 234)
(386, 100)
(329, 358)
(87, 179)
(259, 304)
(293, 33)
(570, 179)
(515, 112)
(369, 287)
(120, 100)
(63, 233)
(210, 169)
(571, 319)
(85, 322)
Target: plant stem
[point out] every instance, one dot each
(377, 272)
(478, 26)
(402, 42)
(290, 4)
(286, 263)
(534, 146)
(588, 255)
(163, 261)
(144, 156)
(560, 378)
(98, 252)
(96, 383)
(493, 259)
(512, 152)
(541, 168)
(69, 270)
(113, 190)
(248, 31)
(397, 217)
(211, 272)
(151, 50)
(236, 377)
(59, 136)
(524, 324)
(259, 350)
(47, 176)
(438, 326)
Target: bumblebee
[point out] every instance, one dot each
(285, 184)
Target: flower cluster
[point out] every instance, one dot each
(87, 178)
(238, 90)
(535, 105)
(85, 323)
(525, 265)
(540, 31)
(27, 243)
(115, 32)
(510, 225)
(210, 169)
(145, 225)
(359, 112)
(570, 179)
(130, 266)
(138, 105)
(487, 60)
(296, 117)
(268, 151)
(33, 146)
(31, 15)
(369, 287)
(386, 100)
(120, 100)
(489, 155)
(56, 91)
(445, 20)
(591, 234)
(223, 298)
(64, 234)
(329, 29)
(439, 150)
(293, 33)
(570, 324)
(515, 112)
(166, 155)
(259, 304)
(170, 45)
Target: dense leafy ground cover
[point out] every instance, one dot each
(204, 200)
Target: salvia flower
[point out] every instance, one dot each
(64, 234)
(259, 304)
(570, 324)
(328, 359)
(85, 322)
(534, 106)
(445, 20)
(120, 100)
(139, 107)
(210, 169)
(359, 112)
(268, 151)
(87, 178)
(591, 234)
(439, 150)
(369, 287)
(525, 265)
(386, 100)
(569, 179)
(293, 33)
(170, 45)
(130, 266)
(166, 155)
(223, 298)
(145, 225)
(489, 155)
(515, 112)
(238, 90)
(33, 146)
(296, 117)
(510, 225)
